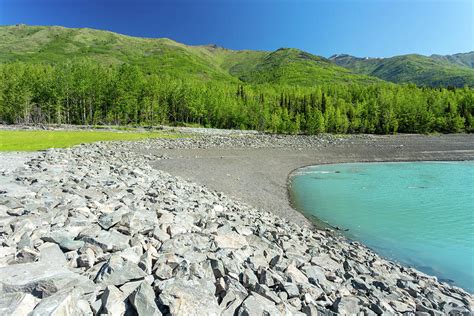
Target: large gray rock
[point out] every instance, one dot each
(189, 297)
(108, 240)
(347, 305)
(18, 304)
(257, 305)
(51, 254)
(40, 278)
(295, 275)
(60, 304)
(231, 240)
(143, 299)
(113, 301)
(118, 271)
(107, 220)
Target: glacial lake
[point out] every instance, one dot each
(420, 214)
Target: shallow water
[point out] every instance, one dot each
(418, 213)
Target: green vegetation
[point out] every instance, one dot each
(39, 140)
(434, 71)
(82, 76)
(89, 93)
(40, 44)
(294, 67)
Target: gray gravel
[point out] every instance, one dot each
(97, 230)
(255, 168)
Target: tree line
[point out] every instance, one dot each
(84, 92)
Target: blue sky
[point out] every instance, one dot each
(377, 28)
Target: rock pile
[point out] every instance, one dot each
(259, 140)
(95, 230)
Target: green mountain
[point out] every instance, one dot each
(210, 62)
(461, 59)
(436, 70)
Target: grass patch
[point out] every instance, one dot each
(39, 140)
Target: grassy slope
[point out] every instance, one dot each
(422, 70)
(39, 140)
(56, 44)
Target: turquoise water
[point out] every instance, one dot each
(420, 214)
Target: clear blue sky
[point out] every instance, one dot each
(377, 28)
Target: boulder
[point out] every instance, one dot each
(257, 305)
(108, 240)
(117, 271)
(143, 299)
(18, 304)
(230, 240)
(346, 305)
(40, 278)
(113, 301)
(50, 253)
(189, 297)
(59, 304)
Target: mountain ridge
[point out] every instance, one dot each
(291, 66)
(434, 70)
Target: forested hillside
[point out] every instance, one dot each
(89, 93)
(83, 76)
(434, 71)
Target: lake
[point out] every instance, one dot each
(418, 213)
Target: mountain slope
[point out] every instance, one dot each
(164, 56)
(461, 59)
(425, 71)
(295, 67)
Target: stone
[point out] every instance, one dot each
(291, 289)
(143, 299)
(51, 254)
(218, 268)
(59, 304)
(266, 292)
(400, 307)
(316, 276)
(256, 304)
(87, 259)
(295, 275)
(266, 277)
(186, 297)
(249, 279)
(310, 310)
(160, 235)
(146, 262)
(346, 305)
(163, 271)
(231, 240)
(117, 271)
(108, 240)
(360, 284)
(70, 245)
(132, 254)
(113, 301)
(40, 278)
(141, 222)
(18, 304)
(108, 220)
(26, 255)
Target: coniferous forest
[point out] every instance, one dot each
(86, 92)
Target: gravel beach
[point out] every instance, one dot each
(255, 168)
(113, 228)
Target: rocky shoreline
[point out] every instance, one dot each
(94, 229)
